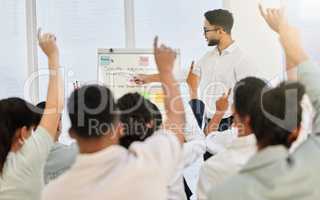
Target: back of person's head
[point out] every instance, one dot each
(15, 114)
(139, 116)
(92, 112)
(246, 93)
(221, 18)
(276, 119)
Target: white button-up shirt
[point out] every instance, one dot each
(225, 164)
(141, 172)
(218, 141)
(218, 73)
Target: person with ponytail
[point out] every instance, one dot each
(300, 66)
(23, 153)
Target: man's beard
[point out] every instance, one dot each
(213, 43)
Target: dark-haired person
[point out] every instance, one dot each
(23, 153)
(272, 173)
(236, 154)
(275, 128)
(61, 156)
(306, 157)
(219, 69)
(140, 119)
(106, 170)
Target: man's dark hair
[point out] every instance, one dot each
(274, 104)
(135, 113)
(92, 111)
(246, 94)
(222, 18)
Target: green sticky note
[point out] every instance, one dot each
(146, 95)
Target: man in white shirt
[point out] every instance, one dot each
(104, 169)
(219, 70)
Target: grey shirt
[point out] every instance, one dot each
(60, 159)
(272, 174)
(263, 179)
(307, 156)
(22, 176)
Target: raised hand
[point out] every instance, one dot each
(193, 82)
(275, 18)
(47, 43)
(289, 35)
(190, 78)
(222, 104)
(164, 57)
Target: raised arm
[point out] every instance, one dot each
(289, 36)
(55, 97)
(193, 83)
(222, 105)
(165, 57)
(308, 72)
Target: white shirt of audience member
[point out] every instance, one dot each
(225, 164)
(193, 149)
(218, 73)
(141, 172)
(217, 141)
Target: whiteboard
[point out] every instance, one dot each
(117, 67)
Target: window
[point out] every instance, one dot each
(81, 28)
(13, 65)
(309, 10)
(305, 15)
(178, 23)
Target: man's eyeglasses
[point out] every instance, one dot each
(206, 30)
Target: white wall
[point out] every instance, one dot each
(255, 38)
